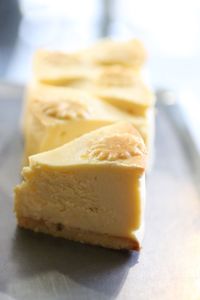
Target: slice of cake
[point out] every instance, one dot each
(57, 115)
(124, 89)
(108, 52)
(119, 85)
(60, 68)
(63, 68)
(89, 190)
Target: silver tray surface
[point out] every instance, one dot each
(35, 266)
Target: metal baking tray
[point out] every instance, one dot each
(36, 266)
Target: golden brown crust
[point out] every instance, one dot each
(77, 234)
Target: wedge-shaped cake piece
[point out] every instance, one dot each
(57, 115)
(124, 89)
(60, 68)
(120, 86)
(112, 52)
(65, 68)
(89, 190)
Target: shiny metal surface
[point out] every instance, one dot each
(168, 104)
(35, 266)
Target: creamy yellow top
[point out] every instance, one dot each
(109, 69)
(111, 52)
(118, 144)
(58, 67)
(62, 104)
(122, 87)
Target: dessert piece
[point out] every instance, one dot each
(57, 115)
(122, 88)
(89, 190)
(108, 71)
(59, 68)
(62, 68)
(108, 52)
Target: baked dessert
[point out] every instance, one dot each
(108, 52)
(60, 68)
(89, 121)
(119, 84)
(89, 190)
(124, 89)
(57, 115)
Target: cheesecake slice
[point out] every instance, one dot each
(124, 89)
(57, 115)
(63, 68)
(60, 68)
(89, 190)
(108, 52)
(120, 85)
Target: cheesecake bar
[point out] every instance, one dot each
(62, 68)
(124, 89)
(117, 83)
(56, 115)
(89, 190)
(107, 52)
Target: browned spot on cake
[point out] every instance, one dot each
(115, 147)
(67, 110)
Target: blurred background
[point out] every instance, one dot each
(169, 29)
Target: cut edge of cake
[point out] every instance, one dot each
(58, 230)
(24, 193)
